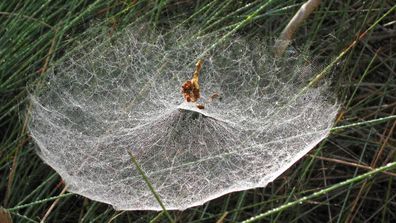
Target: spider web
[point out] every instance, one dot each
(125, 95)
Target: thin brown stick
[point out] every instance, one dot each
(222, 217)
(116, 215)
(50, 52)
(287, 34)
(11, 175)
(364, 189)
(52, 206)
(384, 143)
(351, 164)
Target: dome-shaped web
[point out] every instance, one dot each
(126, 96)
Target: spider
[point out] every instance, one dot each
(214, 96)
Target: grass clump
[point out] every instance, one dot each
(356, 37)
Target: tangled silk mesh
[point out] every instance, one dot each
(125, 95)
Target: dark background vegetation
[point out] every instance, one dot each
(34, 34)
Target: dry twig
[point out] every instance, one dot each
(287, 34)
